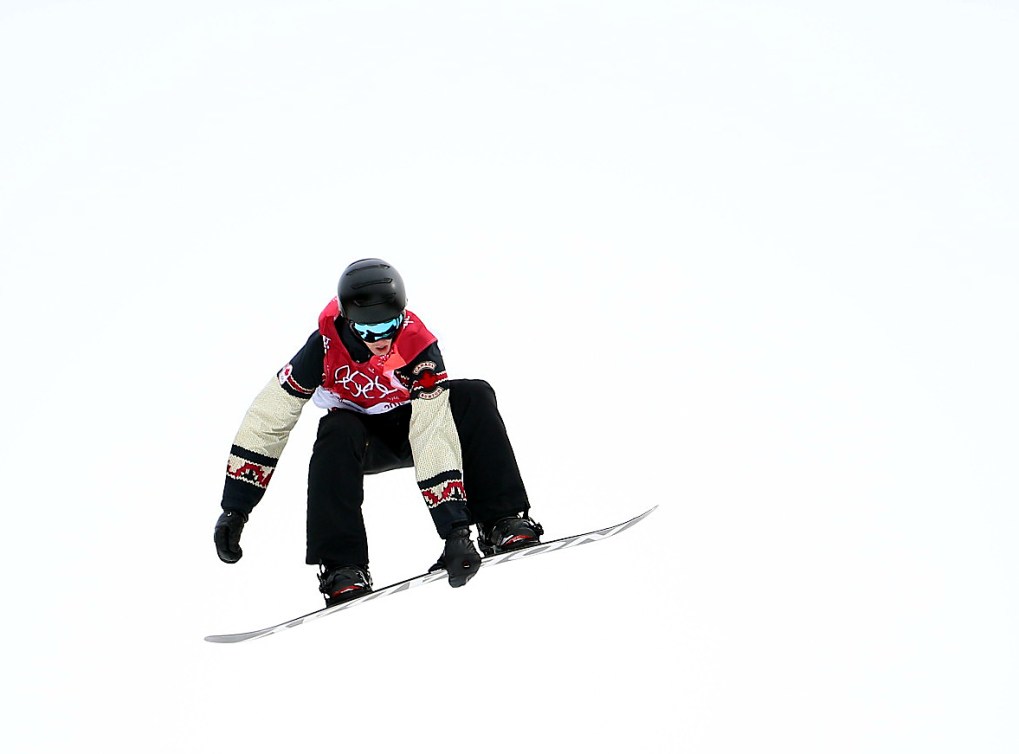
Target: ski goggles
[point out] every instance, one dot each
(379, 330)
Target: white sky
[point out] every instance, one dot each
(753, 262)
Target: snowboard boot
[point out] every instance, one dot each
(510, 533)
(343, 583)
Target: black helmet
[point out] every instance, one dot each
(371, 291)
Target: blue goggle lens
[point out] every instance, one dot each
(379, 330)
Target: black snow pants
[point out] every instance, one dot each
(350, 445)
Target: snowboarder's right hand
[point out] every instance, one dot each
(228, 535)
(459, 557)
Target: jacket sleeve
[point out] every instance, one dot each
(434, 441)
(266, 427)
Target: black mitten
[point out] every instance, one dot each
(228, 535)
(459, 557)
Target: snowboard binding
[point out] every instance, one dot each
(510, 533)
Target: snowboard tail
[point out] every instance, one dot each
(427, 578)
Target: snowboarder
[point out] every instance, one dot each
(377, 370)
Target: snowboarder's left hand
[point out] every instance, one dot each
(459, 557)
(228, 535)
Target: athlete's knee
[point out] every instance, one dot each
(471, 389)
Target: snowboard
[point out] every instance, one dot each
(427, 578)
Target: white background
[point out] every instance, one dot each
(752, 262)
